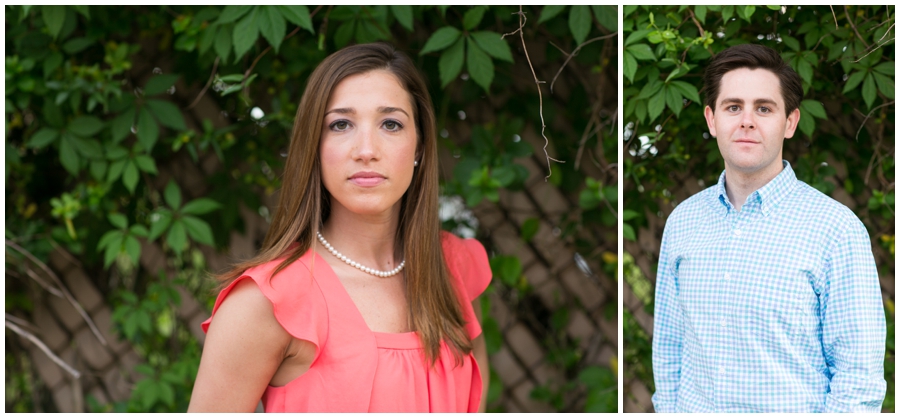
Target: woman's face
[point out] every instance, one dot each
(368, 143)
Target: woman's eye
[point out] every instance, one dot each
(392, 125)
(339, 125)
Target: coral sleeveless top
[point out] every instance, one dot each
(355, 369)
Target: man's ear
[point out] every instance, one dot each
(791, 124)
(710, 120)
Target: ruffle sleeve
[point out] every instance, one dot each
(297, 300)
(468, 264)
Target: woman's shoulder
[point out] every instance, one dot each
(468, 263)
(291, 294)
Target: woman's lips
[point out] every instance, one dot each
(367, 179)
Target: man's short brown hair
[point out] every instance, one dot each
(752, 56)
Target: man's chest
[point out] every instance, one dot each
(751, 274)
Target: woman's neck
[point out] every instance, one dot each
(367, 239)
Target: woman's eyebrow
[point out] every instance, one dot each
(342, 110)
(388, 109)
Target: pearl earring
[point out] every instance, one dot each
(415, 163)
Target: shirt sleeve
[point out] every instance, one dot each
(853, 325)
(668, 330)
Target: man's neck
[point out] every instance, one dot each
(739, 184)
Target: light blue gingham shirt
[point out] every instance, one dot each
(776, 307)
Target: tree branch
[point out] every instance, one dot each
(574, 53)
(62, 287)
(522, 20)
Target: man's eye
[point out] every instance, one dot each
(734, 108)
(339, 125)
(764, 109)
(392, 125)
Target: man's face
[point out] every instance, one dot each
(749, 121)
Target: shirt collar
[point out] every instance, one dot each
(768, 196)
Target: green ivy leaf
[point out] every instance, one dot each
(628, 232)
(89, 148)
(530, 228)
(159, 84)
(232, 13)
(76, 45)
(42, 138)
(814, 108)
(167, 114)
(54, 17)
(493, 44)
(147, 129)
(85, 126)
(68, 156)
(113, 247)
(198, 230)
(473, 17)
(130, 176)
(120, 127)
(222, 45)
(629, 66)
(440, 39)
(807, 125)
(642, 52)
(885, 84)
(791, 42)
(200, 206)
(172, 195)
(700, 13)
(549, 12)
(404, 15)
(145, 163)
(674, 100)
(245, 33)
(579, 23)
(160, 221)
(480, 66)
(177, 237)
(854, 81)
(451, 62)
(133, 249)
(115, 170)
(805, 70)
(298, 15)
(108, 239)
(344, 33)
(868, 90)
(748, 12)
(272, 26)
(608, 16)
(687, 90)
(98, 169)
(656, 105)
(118, 220)
(886, 68)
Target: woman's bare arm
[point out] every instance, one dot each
(244, 347)
(479, 348)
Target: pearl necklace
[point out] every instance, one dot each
(347, 260)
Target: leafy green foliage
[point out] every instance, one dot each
(843, 147)
(142, 127)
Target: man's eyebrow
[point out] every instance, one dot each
(765, 102)
(388, 109)
(730, 100)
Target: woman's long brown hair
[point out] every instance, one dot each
(434, 309)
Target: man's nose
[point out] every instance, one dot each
(747, 120)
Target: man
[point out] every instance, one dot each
(767, 296)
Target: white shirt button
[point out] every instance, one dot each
(737, 232)
(721, 370)
(723, 323)
(727, 276)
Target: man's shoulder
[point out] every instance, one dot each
(694, 207)
(822, 207)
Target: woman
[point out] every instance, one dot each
(357, 301)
